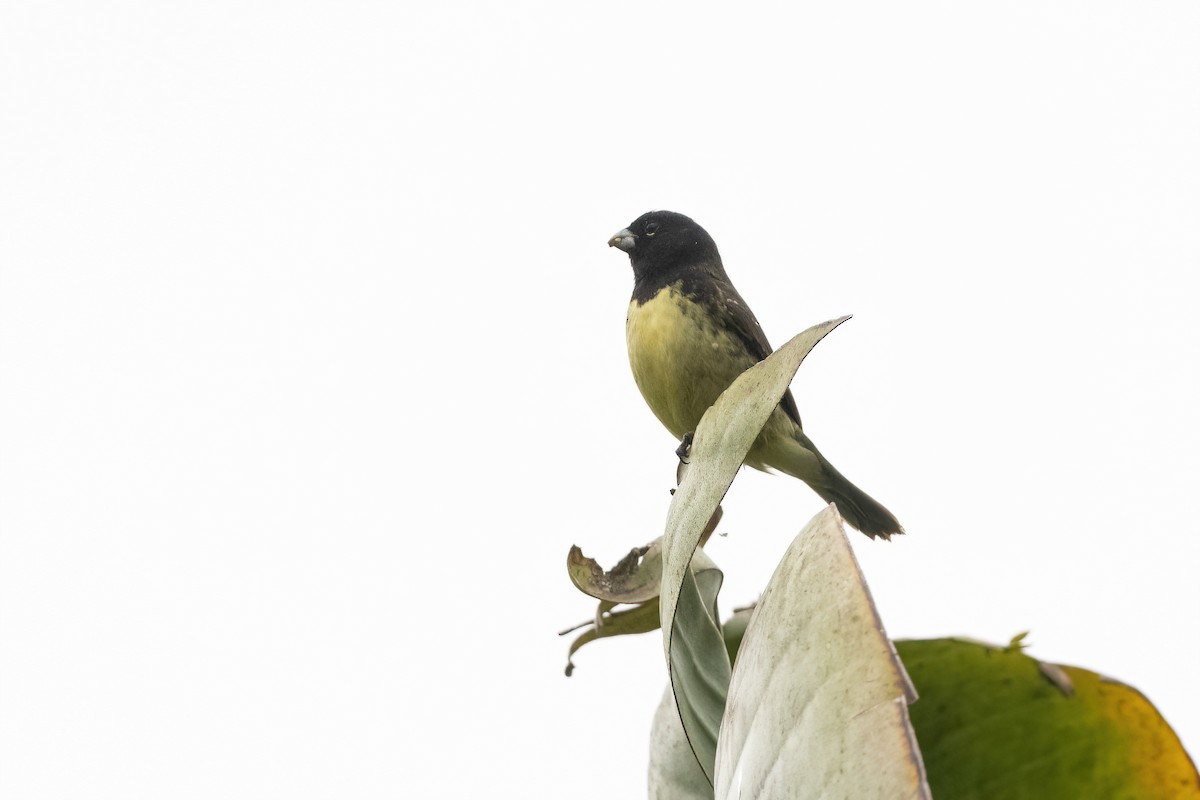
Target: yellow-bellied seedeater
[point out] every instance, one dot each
(690, 334)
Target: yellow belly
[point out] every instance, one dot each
(681, 361)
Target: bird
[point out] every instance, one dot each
(690, 335)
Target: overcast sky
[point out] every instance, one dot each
(313, 362)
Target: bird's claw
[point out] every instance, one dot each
(685, 448)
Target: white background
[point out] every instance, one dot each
(314, 365)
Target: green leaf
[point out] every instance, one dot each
(817, 705)
(692, 639)
(674, 772)
(995, 723)
(734, 628)
(635, 579)
(699, 662)
(641, 618)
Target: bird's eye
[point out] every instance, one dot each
(651, 228)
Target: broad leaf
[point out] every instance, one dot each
(996, 724)
(699, 660)
(674, 772)
(817, 706)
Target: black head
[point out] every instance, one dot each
(663, 243)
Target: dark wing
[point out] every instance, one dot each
(733, 309)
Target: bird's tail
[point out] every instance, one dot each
(856, 506)
(800, 458)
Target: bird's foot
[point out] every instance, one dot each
(685, 448)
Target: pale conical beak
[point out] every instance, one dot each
(623, 239)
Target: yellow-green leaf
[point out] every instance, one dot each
(995, 723)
